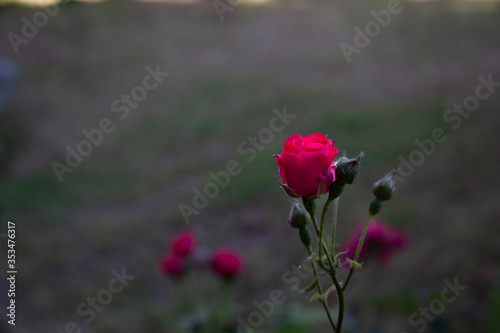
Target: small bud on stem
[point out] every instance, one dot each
(299, 217)
(305, 236)
(384, 188)
(348, 169)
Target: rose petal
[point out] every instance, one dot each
(302, 171)
(289, 143)
(327, 178)
(316, 137)
(314, 146)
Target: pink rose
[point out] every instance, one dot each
(381, 241)
(184, 243)
(306, 164)
(227, 263)
(172, 265)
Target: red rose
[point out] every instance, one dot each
(184, 243)
(172, 265)
(306, 164)
(227, 263)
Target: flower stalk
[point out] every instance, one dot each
(308, 170)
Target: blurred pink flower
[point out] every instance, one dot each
(172, 265)
(381, 241)
(184, 243)
(227, 263)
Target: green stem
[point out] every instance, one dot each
(329, 316)
(322, 226)
(331, 271)
(340, 295)
(338, 288)
(334, 225)
(321, 244)
(320, 291)
(358, 250)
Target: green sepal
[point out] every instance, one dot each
(354, 264)
(317, 297)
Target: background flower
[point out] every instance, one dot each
(381, 241)
(227, 263)
(184, 243)
(172, 265)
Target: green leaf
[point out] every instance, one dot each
(311, 287)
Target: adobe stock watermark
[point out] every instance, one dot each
(372, 29)
(293, 278)
(436, 307)
(248, 148)
(453, 116)
(121, 106)
(223, 6)
(31, 26)
(87, 309)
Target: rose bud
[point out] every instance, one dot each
(172, 265)
(299, 217)
(306, 164)
(336, 189)
(184, 243)
(305, 236)
(347, 170)
(227, 263)
(384, 188)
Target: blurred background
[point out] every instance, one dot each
(230, 65)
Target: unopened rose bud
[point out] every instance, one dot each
(348, 169)
(375, 207)
(299, 217)
(342, 159)
(336, 189)
(384, 187)
(305, 236)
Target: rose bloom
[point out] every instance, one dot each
(184, 243)
(306, 164)
(381, 241)
(172, 265)
(227, 263)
